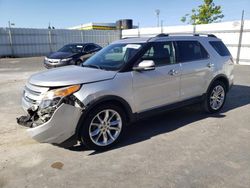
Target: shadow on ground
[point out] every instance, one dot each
(163, 123)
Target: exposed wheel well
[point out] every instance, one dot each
(222, 79)
(120, 104)
(109, 100)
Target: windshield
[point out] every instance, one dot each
(71, 48)
(113, 57)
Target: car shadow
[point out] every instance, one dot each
(169, 121)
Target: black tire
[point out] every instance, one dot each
(85, 137)
(207, 104)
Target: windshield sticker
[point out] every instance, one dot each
(134, 46)
(79, 46)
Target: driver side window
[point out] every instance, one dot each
(162, 53)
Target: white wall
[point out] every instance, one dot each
(227, 31)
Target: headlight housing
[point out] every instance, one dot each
(67, 59)
(54, 96)
(46, 59)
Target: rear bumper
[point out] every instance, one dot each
(60, 127)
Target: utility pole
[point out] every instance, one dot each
(49, 27)
(157, 13)
(10, 37)
(138, 29)
(240, 37)
(161, 26)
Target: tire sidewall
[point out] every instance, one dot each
(84, 132)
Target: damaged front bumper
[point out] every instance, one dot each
(60, 127)
(50, 120)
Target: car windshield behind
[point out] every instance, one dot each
(113, 57)
(71, 48)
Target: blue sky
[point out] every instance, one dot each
(67, 13)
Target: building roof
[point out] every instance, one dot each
(93, 25)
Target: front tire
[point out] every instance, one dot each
(215, 97)
(103, 127)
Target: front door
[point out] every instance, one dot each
(159, 87)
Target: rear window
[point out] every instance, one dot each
(220, 48)
(191, 51)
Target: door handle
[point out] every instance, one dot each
(210, 65)
(173, 72)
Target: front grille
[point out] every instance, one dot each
(31, 91)
(33, 94)
(29, 99)
(54, 61)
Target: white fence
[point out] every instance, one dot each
(22, 42)
(229, 32)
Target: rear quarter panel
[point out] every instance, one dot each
(223, 65)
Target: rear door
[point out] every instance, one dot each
(157, 87)
(196, 67)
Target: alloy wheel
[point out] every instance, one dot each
(105, 127)
(217, 97)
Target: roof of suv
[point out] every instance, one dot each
(164, 37)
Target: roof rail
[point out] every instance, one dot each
(208, 35)
(194, 34)
(128, 38)
(162, 35)
(211, 35)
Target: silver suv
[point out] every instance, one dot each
(127, 80)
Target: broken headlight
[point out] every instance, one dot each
(54, 96)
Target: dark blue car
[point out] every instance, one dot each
(71, 54)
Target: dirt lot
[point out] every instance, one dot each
(184, 148)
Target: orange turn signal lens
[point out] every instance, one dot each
(62, 92)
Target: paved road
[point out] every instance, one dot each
(184, 148)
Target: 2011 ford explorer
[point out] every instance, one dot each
(127, 80)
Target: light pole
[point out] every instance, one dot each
(161, 26)
(157, 13)
(10, 37)
(10, 24)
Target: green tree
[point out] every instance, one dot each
(206, 13)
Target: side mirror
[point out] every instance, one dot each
(145, 65)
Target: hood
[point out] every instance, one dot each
(60, 55)
(70, 75)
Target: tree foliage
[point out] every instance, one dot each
(206, 13)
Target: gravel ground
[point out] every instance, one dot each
(182, 148)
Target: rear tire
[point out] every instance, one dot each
(103, 127)
(215, 97)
